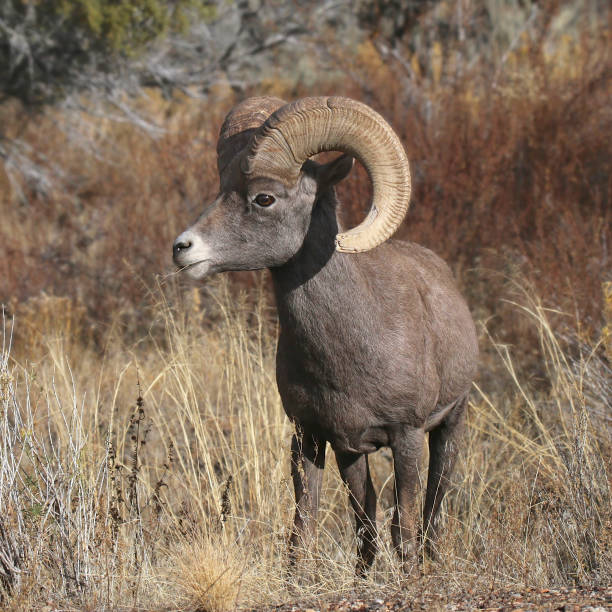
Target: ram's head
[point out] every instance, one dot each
(268, 185)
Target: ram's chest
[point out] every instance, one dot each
(348, 388)
(319, 403)
(325, 357)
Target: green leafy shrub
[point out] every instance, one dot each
(46, 46)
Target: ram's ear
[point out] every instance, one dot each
(333, 172)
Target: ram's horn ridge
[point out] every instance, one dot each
(240, 124)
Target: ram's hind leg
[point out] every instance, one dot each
(407, 447)
(443, 447)
(355, 472)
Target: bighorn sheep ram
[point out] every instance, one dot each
(377, 346)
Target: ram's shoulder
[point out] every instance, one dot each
(405, 254)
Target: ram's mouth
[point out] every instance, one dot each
(191, 265)
(196, 270)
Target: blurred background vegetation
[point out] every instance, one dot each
(46, 46)
(109, 114)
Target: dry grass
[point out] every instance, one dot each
(183, 498)
(210, 576)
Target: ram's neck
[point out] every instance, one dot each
(317, 279)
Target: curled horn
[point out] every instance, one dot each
(298, 130)
(240, 124)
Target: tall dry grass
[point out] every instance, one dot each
(159, 476)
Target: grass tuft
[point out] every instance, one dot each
(209, 575)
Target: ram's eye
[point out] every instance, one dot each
(264, 199)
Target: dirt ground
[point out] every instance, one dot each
(597, 599)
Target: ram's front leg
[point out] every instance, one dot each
(307, 463)
(355, 472)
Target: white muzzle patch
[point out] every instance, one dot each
(194, 259)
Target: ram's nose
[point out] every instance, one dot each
(181, 246)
